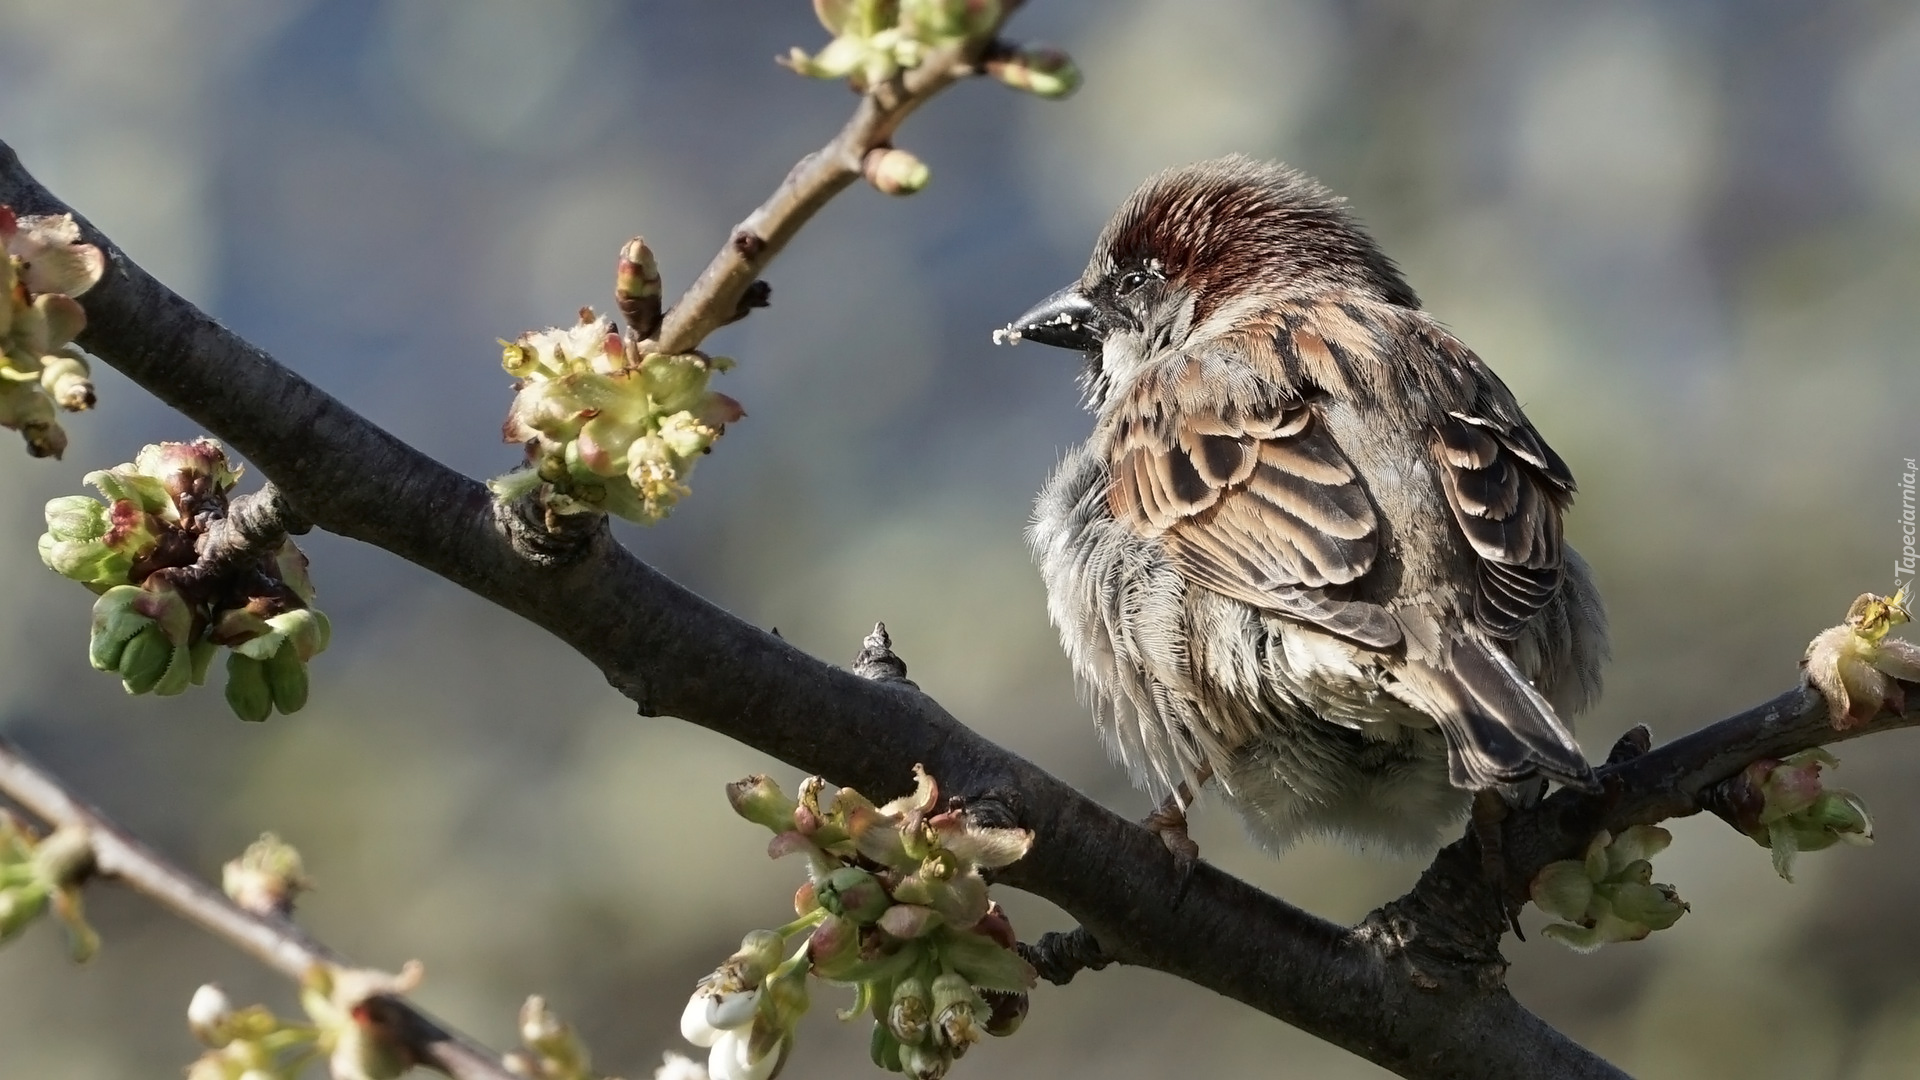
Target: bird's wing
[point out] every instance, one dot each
(1506, 486)
(1255, 502)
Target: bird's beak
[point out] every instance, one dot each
(1067, 320)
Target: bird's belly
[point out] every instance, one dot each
(1292, 722)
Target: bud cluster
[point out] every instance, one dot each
(875, 40)
(609, 424)
(41, 873)
(355, 1022)
(163, 614)
(895, 906)
(1610, 895)
(266, 878)
(353, 1025)
(1785, 806)
(553, 1050)
(41, 371)
(1857, 667)
(245, 1044)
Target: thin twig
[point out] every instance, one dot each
(715, 298)
(275, 942)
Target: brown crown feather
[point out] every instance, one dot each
(1231, 225)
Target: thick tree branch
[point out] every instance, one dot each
(274, 942)
(1415, 989)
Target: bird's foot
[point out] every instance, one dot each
(1169, 823)
(1489, 830)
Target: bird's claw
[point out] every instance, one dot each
(1169, 823)
(1489, 830)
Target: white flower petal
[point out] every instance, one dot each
(728, 1011)
(729, 1059)
(693, 1022)
(679, 1067)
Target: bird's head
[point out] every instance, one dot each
(1195, 251)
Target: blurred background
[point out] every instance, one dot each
(1687, 234)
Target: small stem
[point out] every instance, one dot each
(721, 294)
(805, 922)
(275, 942)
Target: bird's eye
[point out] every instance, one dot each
(1132, 281)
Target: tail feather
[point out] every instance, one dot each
(1501, 730)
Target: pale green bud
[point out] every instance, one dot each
(1041, 70)
(116, 619)
(145, 659)
(247, 690)
(287, 678)
(895, 172)
(910, 1011)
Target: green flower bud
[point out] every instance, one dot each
(842, 57)
(89, 562)
(1563, 889)
(833, 947)
(161, 601)
(940, 20)
(834, 14)
(145, 659)
(306, 629)
(144, 493)
(247, 690)
(1655, 907)
(853, 893)
(200, 658)
(884, 1049)
(759, 953)
(116, 619)
(1041, 70)
(636, 288)
(1843, 815)
(266, 878)
(287, 678)
(67, 381)
(20, 905)
(759, 799)
(910, 1011)
(895, 172)
(1637, 844)
(674, 381)
(923, 1062)
(198, 468)
(179, 673)
(957, 1012)
(76, 517)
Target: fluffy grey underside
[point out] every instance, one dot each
(1305, 733)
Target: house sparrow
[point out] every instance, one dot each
(1313, 547)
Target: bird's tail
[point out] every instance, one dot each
(1499, 729)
